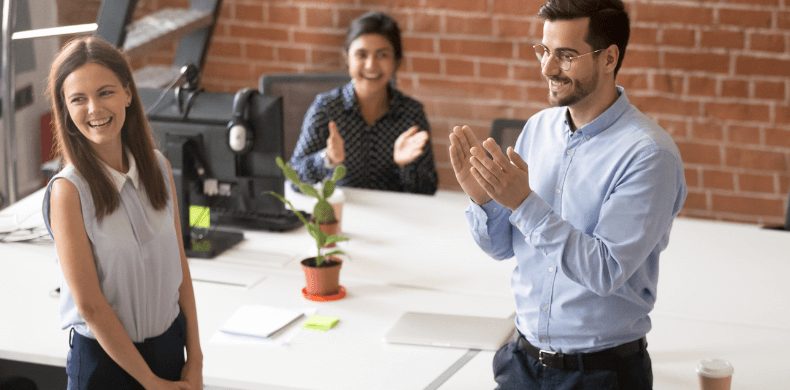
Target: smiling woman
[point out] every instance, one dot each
(126, 290)
(379, 134)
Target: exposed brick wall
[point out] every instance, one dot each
(714, 74)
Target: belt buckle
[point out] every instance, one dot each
(544, 355)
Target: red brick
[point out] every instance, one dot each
(782, 114)
(783, 20)
(392, 3)
(538, 94)
(229, 70)
(424, 23)
(756, 183)
(695, 201)
(345, 16)
(265, 69)
(291, 54)
(691, 176)
(318, 17)
(530, 72)
(469, 26)
(714, 63)
(224, 49)
(489, 70)
(745, 17)
(777, 137)
(668, 83)
(517, 7)
(736, 111)
(753, 2)
(447, 179)
(702, 86)
(455, 5)
(489, 112)
(325, 39)
(329, 58)
(722, 180)
(259, 33)
(472, 48)
(285, 15)
(767, 42)
(643, 36)
(420, 45)
(455, 109)
(441, 88)
(248, 12)
(663, 105)
(678, 37)
(698, 153)
(639, 59)
(526, 52)
(667, 13)
(256, 51)
(707, 131)
(769, 90)
(514, 29)
(756, 159)
(784, 184)
(426, 65)
(673, 127)
(459, 67)
(631, 81)
(743, 135)
(747, 205)
(723, 38)
(734, 88)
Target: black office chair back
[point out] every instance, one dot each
(506, 131)
(298, 91)
(787, 214)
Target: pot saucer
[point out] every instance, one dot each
(340, 293)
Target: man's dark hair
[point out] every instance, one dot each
(609, 22)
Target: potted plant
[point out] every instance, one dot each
(322, 272)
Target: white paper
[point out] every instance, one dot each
(260, 321)
(278, 339)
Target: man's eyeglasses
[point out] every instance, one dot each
(563, 58)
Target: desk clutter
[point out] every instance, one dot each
(261, 325)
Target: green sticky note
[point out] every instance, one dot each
(320, 323)
(199, 216)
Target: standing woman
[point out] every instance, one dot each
(379, 134)
(126, 290)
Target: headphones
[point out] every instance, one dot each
(240, 137)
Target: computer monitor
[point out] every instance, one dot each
(208, 173)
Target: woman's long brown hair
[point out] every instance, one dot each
(135, 134)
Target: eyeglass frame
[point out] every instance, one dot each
(559, 61)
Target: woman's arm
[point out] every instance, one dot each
(79, 270)
(193, 370)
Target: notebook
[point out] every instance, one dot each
(455, 331)
(260, 321)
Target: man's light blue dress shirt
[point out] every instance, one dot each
(587, 240)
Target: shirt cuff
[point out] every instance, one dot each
(327, 163)
(528, 216)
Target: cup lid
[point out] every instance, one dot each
(715, 368)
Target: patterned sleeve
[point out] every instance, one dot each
(420, 176)
(307, 160)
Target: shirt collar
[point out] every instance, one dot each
(350, 98)
(606, 119)
(119, 179)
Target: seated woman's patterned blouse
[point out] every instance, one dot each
(369, 149)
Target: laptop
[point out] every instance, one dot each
(454, 331)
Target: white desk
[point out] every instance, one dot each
(426, 261)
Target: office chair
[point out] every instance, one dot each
(298, 92)
(506, 131)
(787, 213)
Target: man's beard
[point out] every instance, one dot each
(580, 90)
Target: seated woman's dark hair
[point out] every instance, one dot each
(376, 23)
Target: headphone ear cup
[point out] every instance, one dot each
(240, 137)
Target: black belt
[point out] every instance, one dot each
(606, 359)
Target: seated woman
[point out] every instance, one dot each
(126, 290)
(379, 134)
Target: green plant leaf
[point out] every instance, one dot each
(319, 259)
(321, 238)
(329, 188)
(289, 173)
(323, 211)
(340, 172)
(309, 190)
(333, 239)
(334, 253)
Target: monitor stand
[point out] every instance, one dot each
(202, 243)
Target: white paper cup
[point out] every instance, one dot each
(714, 374)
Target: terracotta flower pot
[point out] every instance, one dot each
(332, 228)
(323, 280)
